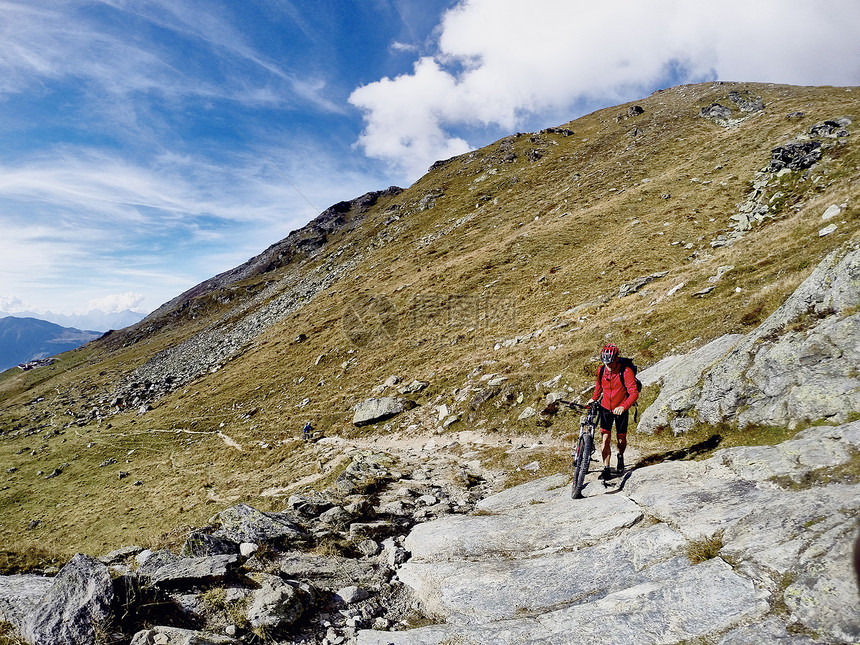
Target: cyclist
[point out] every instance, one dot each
(619, 394)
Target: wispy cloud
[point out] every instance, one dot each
(150, 144)
(96, 220)
(502, 63)
(68, 41)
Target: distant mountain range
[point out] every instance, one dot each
(93, 319)
(27, 339)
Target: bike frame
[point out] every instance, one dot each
(584, 445)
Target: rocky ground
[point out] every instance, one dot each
(753, 544)
(747, 546)
(316, 572)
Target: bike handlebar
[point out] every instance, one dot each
(578, 406)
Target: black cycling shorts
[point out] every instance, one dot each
(607, 418)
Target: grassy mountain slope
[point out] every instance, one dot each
(529, 238)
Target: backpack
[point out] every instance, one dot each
(623, 363)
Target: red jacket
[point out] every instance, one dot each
(615, 392)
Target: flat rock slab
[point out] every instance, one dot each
(811, 449)
(534, 567)
(700, 498)
(482, 591)
(177, 636)
(539, 490)
(185, 572)
(331, 572)
(553, 522)
(701, 600)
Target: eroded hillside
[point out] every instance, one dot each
(495, 273)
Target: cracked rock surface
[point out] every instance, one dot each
(740, 547)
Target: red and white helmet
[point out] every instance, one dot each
(608, 354)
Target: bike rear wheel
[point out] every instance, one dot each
(582, 459)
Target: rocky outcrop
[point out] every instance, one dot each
(632, 287)
(732, 549)
(680, 378)
(76, 608)
(784, 179)
(798, 366)
(723, 115)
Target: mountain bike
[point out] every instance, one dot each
(584, 445)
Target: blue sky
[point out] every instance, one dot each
(150, 144)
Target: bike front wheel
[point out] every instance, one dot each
(582, 459)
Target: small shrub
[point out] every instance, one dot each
(333, 547)
(753, 315)
(214, 599)
(482, 513)
(699, 551)
(8, 636)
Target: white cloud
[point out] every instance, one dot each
(12, 304)
(405, 117)
(502, 62)
(403, 47)
(116, 303)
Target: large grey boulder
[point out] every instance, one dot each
(76, 608)
(19, 595)
(278, 603)
(244, 523)
(377, 410)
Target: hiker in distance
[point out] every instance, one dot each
(307, 431)
(616, 381)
